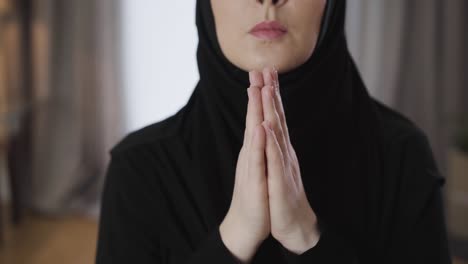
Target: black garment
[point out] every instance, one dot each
(368, 172)
(151, 212)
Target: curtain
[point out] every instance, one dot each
(412, 55)
(77, 106)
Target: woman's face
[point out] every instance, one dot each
(235, 19)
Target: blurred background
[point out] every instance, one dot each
(77, 75)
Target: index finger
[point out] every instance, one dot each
(270, 76)
(254, 108)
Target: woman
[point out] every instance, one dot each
(301, 167)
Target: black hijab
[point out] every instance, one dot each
(333, 123)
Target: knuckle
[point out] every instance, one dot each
(275, 126)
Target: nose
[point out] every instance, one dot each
(274, 2)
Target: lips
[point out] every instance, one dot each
(269, 30)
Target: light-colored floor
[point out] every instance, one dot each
(54, 240)
(50, 240)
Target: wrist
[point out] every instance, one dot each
(303, 239)
(238, 244)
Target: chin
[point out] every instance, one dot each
(268, 61)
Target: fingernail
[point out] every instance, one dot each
(274, 77)
(250, 76)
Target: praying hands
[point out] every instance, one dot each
(268, 195)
